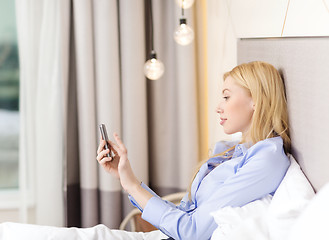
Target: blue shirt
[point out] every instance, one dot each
(249, 175)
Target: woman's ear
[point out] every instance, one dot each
(253, 105)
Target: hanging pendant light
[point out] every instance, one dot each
(153, 67)
(185, 3)
(183, 34)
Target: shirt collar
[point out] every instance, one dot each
(240, 149)
(216, 160)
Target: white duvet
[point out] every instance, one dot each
(17, 231)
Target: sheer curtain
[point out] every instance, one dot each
(89, 70)
(43, 68)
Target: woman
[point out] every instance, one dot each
(253, 103)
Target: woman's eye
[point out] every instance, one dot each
(226, 98)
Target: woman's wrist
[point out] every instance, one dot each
(133, 187)
(140, 194)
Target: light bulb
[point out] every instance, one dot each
(185, 3)
(183, 34)
(153, 68)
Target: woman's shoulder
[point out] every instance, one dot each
(270, 149)
(270, 145)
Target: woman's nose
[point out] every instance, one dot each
(218, 109)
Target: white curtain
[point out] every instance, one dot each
(81, 65)
(43, 40)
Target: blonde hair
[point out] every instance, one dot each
(266, 88)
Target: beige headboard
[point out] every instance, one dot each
(304, 65)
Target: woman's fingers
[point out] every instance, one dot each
(120, 143)
(101, 146)
(116, 149)
(102, 154)
(114, 146)
(106, 159)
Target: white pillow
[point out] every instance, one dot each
(289, 201)
(266, 218)
(313, 223)
(246, 222)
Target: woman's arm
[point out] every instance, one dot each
(264, 168)
(120, 167)
(141, 195)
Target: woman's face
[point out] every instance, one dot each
(236, 108)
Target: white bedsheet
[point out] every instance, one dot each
(17, 231)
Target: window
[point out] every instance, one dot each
(9, 97)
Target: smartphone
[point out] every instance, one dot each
(103, 131)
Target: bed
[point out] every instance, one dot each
(298, 210)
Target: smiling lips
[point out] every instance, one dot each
(222, 120)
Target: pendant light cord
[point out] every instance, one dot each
(325, 4)
(285, 17)
(151, 27)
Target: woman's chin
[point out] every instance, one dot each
(229, 131)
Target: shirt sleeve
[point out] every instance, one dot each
(261, 173)
(134, 202)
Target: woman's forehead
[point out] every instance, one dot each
(229, 84)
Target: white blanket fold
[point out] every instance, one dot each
(18, 231)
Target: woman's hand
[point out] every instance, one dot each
(119, 166)
(121, 169)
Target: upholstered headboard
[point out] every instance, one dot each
(304, 65)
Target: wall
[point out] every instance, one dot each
(229, 20)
